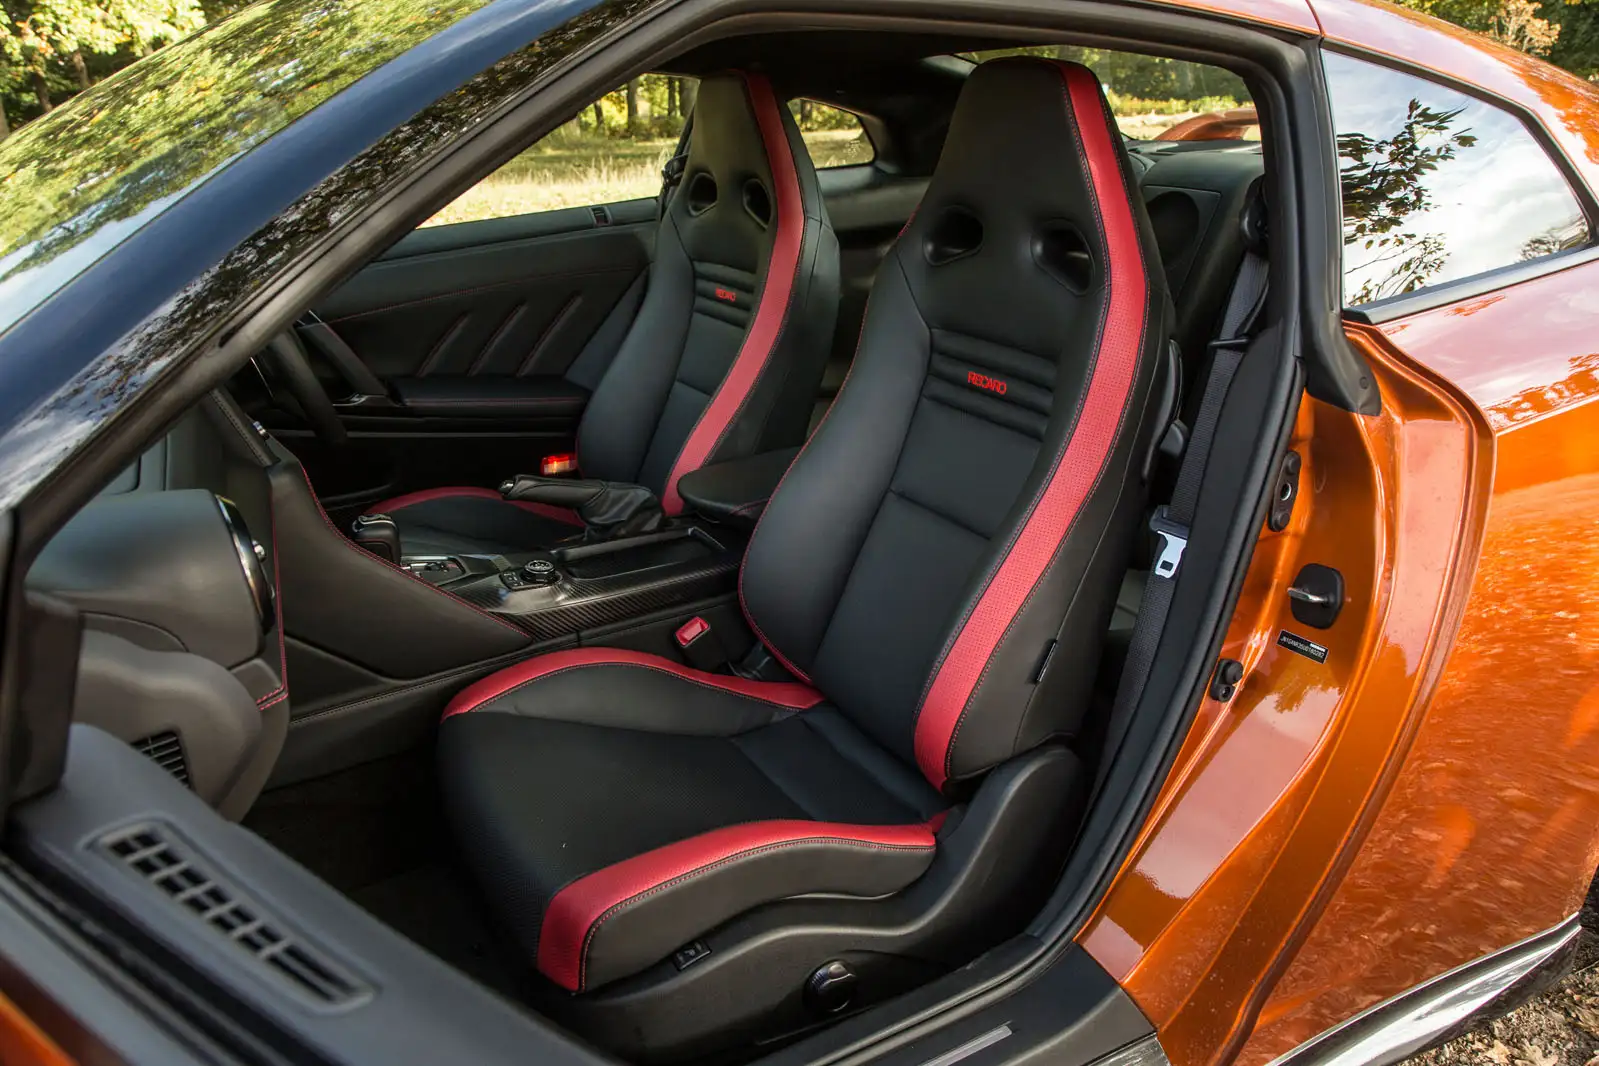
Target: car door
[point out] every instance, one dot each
(465, 352)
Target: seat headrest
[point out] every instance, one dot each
(1010, 228)
(745, 159)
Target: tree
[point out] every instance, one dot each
(1519, 23)
(1384, 191)
(48, 42)
(1577, 46)
(632, 106)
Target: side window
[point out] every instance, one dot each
(1437, 185)
(1153, 98)
(612, 151)
(835, 137)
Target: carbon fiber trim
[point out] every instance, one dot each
(575, 604)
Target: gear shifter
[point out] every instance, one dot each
(378, 534)
(608, 508)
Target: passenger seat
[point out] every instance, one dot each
(726, 352)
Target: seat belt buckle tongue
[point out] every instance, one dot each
(699, 645)
(1173, 540)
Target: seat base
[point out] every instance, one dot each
(993, 870)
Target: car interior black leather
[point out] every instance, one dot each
(484, 396)
(679, 852)
(734, 493)
(725, 352)
(607, 509)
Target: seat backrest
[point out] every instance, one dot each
(942, 558)
(724, 356)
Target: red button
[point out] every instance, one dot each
(563, 463)
(692, 630)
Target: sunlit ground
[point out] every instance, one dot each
(579, 173)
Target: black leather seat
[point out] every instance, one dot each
(679, 850)
(726, 352)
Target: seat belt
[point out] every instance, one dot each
(672, 172)
(1172, 521)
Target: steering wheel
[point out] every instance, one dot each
(287, 357)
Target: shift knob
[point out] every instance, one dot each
(378, 534)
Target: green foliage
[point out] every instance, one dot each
(1577, 47)
(123, 147)
(52, 49)
(1145, 84)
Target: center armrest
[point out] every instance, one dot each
(491, 396)
(735, 492)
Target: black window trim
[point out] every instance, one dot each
(1445, 293)
(864, 120)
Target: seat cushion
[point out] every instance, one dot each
(616, 806)
(469, 520)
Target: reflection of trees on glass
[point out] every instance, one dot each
(1554, 239)
(1437, 185)
(1383, 191)
(164, 123)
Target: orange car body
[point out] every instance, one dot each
(1339, 833)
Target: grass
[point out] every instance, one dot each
(566, 170)
(577, 172)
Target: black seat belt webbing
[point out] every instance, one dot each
(1173, 521)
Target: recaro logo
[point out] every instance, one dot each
(983, 381)
(723, 294)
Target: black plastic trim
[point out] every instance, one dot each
(418, 1002)
(1453, 292)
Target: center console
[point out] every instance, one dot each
(583, 586)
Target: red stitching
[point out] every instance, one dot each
(401, 570)
(451, 711)
(282, 691)
(743, 603)
(684, 462)
(593, 929)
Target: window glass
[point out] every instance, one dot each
(612, 151)
(1437, 185)
(1154, 98)
(835, 137)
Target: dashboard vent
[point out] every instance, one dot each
(166, 750)
(154, 855)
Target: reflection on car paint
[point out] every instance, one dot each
(1489, 833)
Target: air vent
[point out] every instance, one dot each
(602, 215)
(154, 855)
(166, 750)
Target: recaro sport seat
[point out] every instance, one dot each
(727, 349)
(682, 850)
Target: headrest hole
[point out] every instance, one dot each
(1062, 252)
(758, 202)
(701, 193)
(954, 234)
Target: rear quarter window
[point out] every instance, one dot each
(1437, 185)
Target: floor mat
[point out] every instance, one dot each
(439, 910)
(376, 833)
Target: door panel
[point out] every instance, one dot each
(454, 357)
(503, 297)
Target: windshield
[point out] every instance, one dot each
(80, 180)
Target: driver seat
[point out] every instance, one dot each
(725, 355)
(692, 859)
